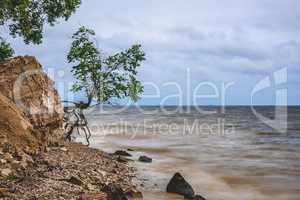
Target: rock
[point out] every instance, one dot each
(93, 196)
(130, 149)
(121, 159)
(2, 161)
(26, 179)
(114, 192)
(26, 158)
(8, 157)
(145, 159)
(17, 164)
(75, 180)
(12, 189)
(64, 149)
(4, 192)
(6, 147)
(124, 160)
(33, 93)
(179, 186)
(91, 187)
(23, 161)
(122, 153)
(6, 172)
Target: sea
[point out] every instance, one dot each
(225, 153)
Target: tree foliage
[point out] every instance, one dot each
(5, 50)
(26, 19)
(104, 78)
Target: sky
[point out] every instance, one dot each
(208, 52)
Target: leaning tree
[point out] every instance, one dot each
(101, 78)
(26, 18)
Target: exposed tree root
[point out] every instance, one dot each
(75, 119)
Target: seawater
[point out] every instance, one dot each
(224, 153)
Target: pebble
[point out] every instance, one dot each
(2, 161)
(3, 192)
(75, 180)
(6, 172)
(64, 149)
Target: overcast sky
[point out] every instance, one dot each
(211, 41)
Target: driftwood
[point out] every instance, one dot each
(74, 118)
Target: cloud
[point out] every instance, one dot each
(239, 41)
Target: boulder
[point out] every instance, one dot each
(145, 159)
(122, 153)
(130, 149)
(179, 186)
(23, 81)
(121, 159)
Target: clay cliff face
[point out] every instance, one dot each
(24, 83)
(14, 126)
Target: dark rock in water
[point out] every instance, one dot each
(114, 192)
(179, 186)
(130, 150)
(124, 160)
(121, 160)
(196, 197)
(122, 153)
(145, 159)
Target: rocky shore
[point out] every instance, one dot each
(35, 161)
(69, 171)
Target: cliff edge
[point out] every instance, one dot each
(24, 83)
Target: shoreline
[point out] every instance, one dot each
(211, 171)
